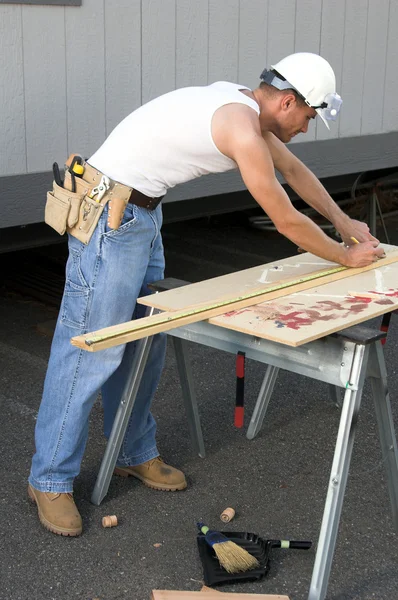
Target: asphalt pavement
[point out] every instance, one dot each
(276, 483)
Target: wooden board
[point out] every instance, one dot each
(308, 315)
(263, 281)
(302, 316)
(248, 280)
(211, 595)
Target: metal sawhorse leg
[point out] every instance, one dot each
(189, 396)
(368, 361)
(122, 418)
(264, 396)
(127, 403)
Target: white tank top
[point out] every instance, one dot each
(168, 140)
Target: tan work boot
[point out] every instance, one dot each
(155, 474)
(57, 512)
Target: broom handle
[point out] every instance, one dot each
(202, 527)
(295, 544)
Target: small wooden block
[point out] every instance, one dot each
(207, 589)
(212, 595)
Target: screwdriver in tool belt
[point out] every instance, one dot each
(77, 165)
(76, 169)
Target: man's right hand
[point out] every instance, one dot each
(363, 254)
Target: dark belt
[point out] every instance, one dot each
(140, 199)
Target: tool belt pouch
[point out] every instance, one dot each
(116, 210)
(62, 208)
(89, 215)
(88, 212)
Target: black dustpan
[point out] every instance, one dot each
(214, 574)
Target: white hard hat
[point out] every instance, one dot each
(312, 77)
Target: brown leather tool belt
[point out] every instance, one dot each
(133, 196)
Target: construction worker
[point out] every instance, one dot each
(173, 139)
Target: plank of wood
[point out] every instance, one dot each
(213, 595)
(249, 280)
(133, 330)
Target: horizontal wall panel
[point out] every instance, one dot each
(23, 198)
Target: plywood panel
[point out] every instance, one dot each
(305, 316)
(375, 67)
(281, 28)
(12, 109)
(252, 49)
(191, 42)
(45, 86)
(85, 68)
(352, 82)
(307, 39)
(122, 59)
(390, 113)
(158, 48)
(223, 40)
(331, 48)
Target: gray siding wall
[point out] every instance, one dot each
(69, 74)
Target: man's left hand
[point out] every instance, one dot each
(358, 230)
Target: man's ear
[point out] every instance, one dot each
(288, 102)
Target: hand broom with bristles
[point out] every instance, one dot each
(232, 557)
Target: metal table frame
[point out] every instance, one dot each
(343, 361)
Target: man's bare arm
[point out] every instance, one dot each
(236, 133)
(310, 189)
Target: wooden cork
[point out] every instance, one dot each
(227, 515)
(109, 521)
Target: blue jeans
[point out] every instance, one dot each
(103, 281)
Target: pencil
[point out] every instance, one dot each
(354, 240)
